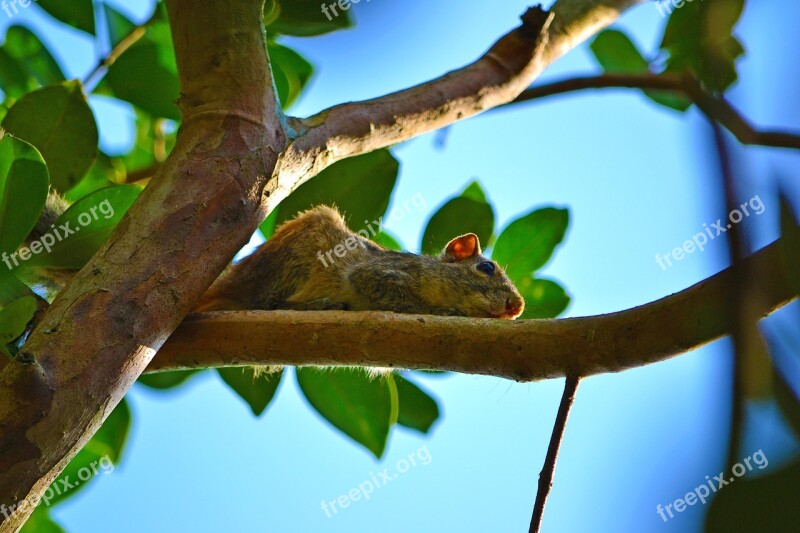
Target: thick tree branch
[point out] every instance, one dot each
(212, 192)
(523, 350)
(717, 109)
(496, 78)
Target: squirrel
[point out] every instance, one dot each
(315, 262)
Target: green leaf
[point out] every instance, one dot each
(26, 63)
(91, 221)
(97, 457)
(14, 318)
(256, 389)
(166, 380)
(146, 75)
(57, 120)
(387, 240)
(290, 71)
(24, 183)
(669, 99)
(544, 298)
(698, 39)
(764, 503)
(13, 75)
(475, 192)
(357, 405)
(360, 187)
(76, 13)
(616, 53)
(11, 288)
(41, 522)
(119, 26)
(528, 242)
(456, 217)
(303, 18)
(418, 410)
(105, 172)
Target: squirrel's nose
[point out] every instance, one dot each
(513, 305)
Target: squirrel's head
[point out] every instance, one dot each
(486, 290)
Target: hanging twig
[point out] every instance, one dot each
(549, 468)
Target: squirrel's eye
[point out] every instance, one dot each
(487, 267)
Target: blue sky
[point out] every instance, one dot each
(638, 180)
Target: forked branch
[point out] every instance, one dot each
(501, 74)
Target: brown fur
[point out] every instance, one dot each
(287, 273)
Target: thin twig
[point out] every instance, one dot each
(121, 47)
(143, 173)
(714, 107)
(744, 332)
(549, 468)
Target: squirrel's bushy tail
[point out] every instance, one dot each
(50, 280)
(54, 207)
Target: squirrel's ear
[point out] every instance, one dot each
(464, 247)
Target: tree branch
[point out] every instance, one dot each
(496, 78)
(549, 468)
(209, 196)
(717, 109)
(522, 350)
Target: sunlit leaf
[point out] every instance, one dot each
(616, 53)
(304, 18)
(528, 242)
(57, 120)
(24, 182)
(418, 410)
(291, 72)
(26, 63)
(456, 217)
(544, 298)
(83, 228)
(256, 389)
(360, 187)
(14, 318)
(97, 457)
(166, 380)
(357, 405)
(76, 13)
(146, 75)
